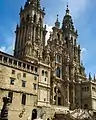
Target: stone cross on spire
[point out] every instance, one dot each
(67, 10)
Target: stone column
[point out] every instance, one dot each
(73, 95)
(2, 59)
(34, 34)
(4, 111)
(31, 33)
(56, 96)
(68, 94)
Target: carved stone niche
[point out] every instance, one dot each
(28, 48)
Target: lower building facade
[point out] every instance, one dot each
(30, 90)
(46, 81)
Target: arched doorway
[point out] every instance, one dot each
(34, 114)
(48, 119)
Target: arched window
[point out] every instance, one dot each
(27, 18)
(35, 18)
(58, 35)
(40, 20)
(58, 72)
(72, 38)
(59, 97)
(66, 38)
(22, 20)
(34, 114)
(42, 72)
(55, 89)
(37, 31)
(59, 100)
(75, 42)
(48, 119)
(46, 73)
(85, 106)
(58, 58)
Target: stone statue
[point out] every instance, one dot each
(4, 111)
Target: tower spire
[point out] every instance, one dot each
(94, 77)
(90, 78)
(68, 22)
(35, 2)
(34, 36)
(57, 23)
(67, 10)
(57, 17)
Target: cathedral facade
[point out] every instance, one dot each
(45, 81)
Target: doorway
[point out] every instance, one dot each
(34, 114)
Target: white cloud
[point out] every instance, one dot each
(83, 50)
(3, 48)
(49, 29)
(9, 38)
(10, 47)
(77, 7)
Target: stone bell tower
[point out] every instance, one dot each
(30, 34)
(71, 59)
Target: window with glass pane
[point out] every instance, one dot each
(58, 58)
(58, 72)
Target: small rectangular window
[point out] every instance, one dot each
(12, 81)
(35, 86)
(10, 95)
(13, 71)
(23, 83)
(46, 73)
(45, 79)
(23, 99)
(35, 77)
(24, 74)
(42, 72)
(85, 106)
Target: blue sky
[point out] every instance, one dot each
(84, 17)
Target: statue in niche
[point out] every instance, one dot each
(28, 48)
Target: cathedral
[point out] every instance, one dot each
(46, 81)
